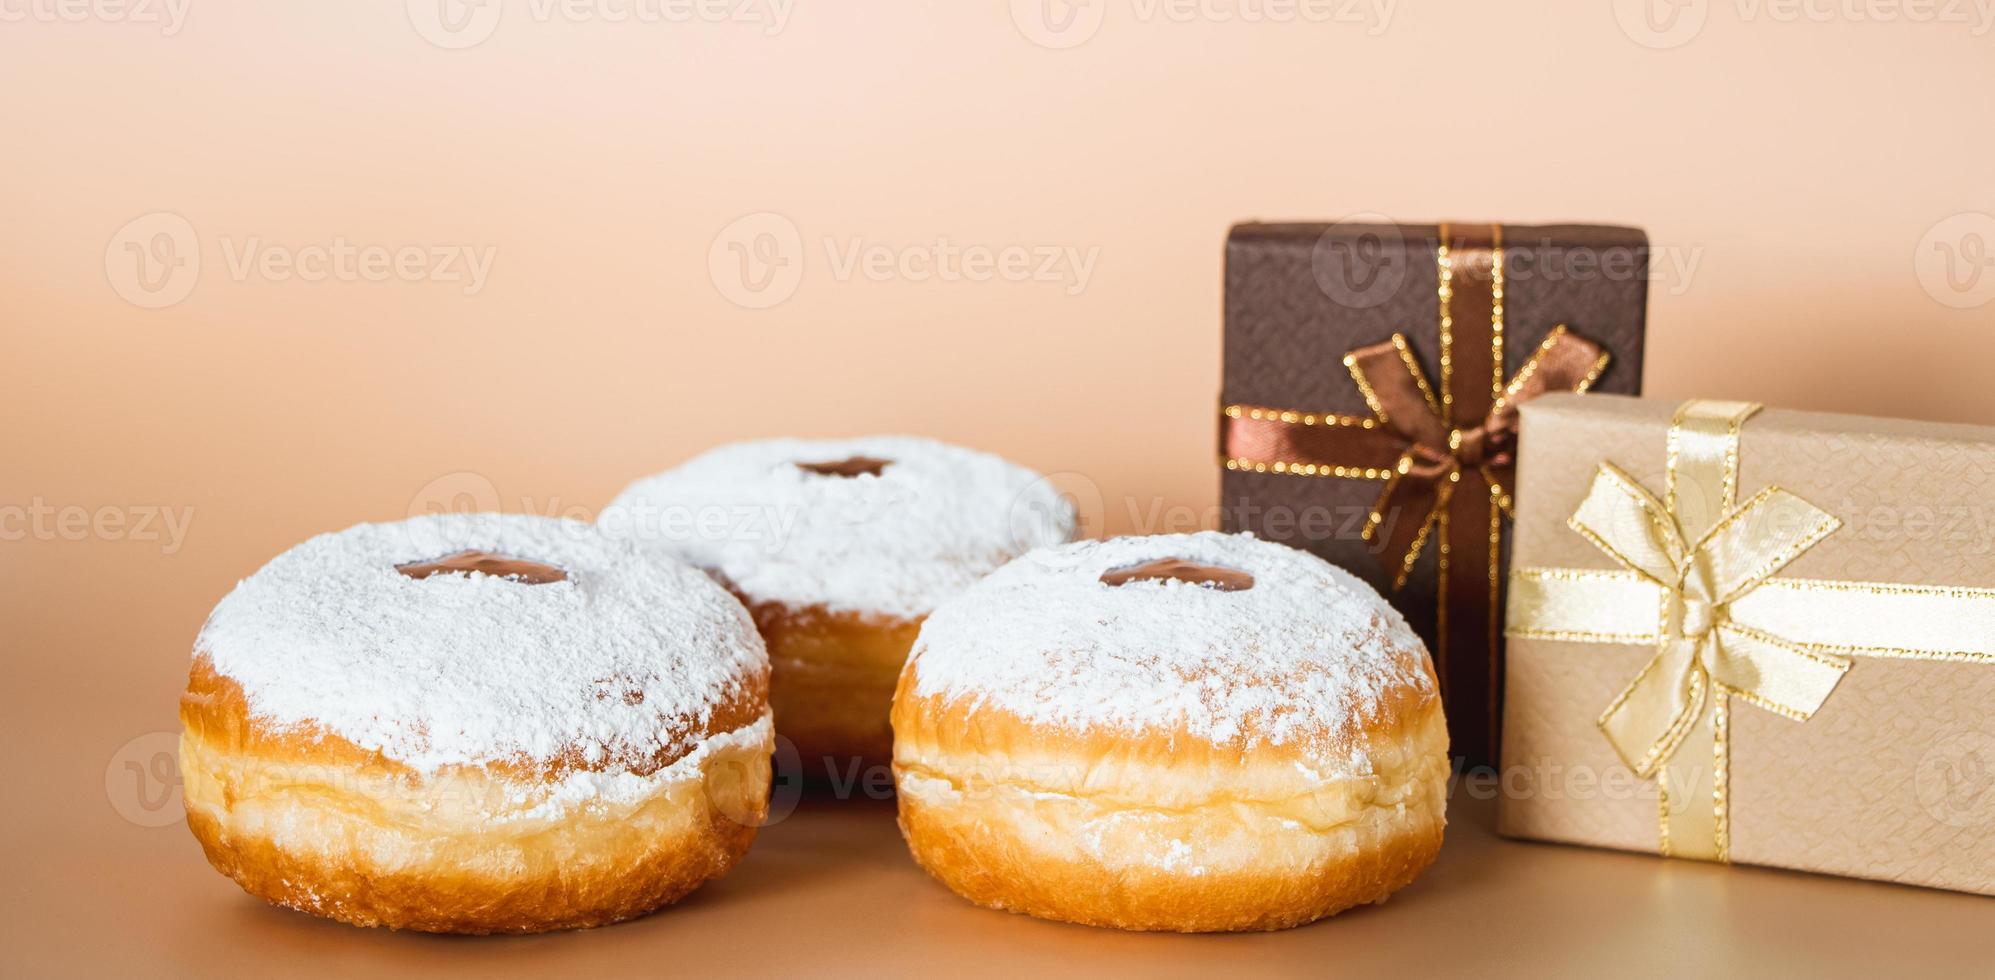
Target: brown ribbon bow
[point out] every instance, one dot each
(1413, 440)
(1408, 442)
(1426, 478)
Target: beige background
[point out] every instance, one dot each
(1806, 179)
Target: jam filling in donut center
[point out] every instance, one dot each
(1214, 577)
(855, 466)
(519, 570)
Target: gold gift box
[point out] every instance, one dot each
(1757, 636)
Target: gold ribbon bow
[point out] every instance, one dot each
(1698, 583)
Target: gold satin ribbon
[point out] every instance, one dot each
(1697, 584)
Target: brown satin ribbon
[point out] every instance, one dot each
(1433, 456)
(1414, 442)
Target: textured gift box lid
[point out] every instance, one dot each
(1894, 778)
(1294, 307)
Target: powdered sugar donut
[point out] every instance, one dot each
(1183, 732)
(475, 723)
(840, 547)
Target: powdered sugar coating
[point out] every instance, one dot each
(933, 521)
(1303, 657)
(626, 658)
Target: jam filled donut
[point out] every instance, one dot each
(839, 548)
(1191, 733)
(475, 723)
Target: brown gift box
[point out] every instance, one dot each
(1301, 297)
(1892, 777)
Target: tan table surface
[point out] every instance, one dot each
(831, 890)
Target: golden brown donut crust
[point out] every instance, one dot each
(981, 863)
(308, 820)
(1082, 827)
(832, 678)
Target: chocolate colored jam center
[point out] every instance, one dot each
(1166, 569)
(465, 562)
(856, 466)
